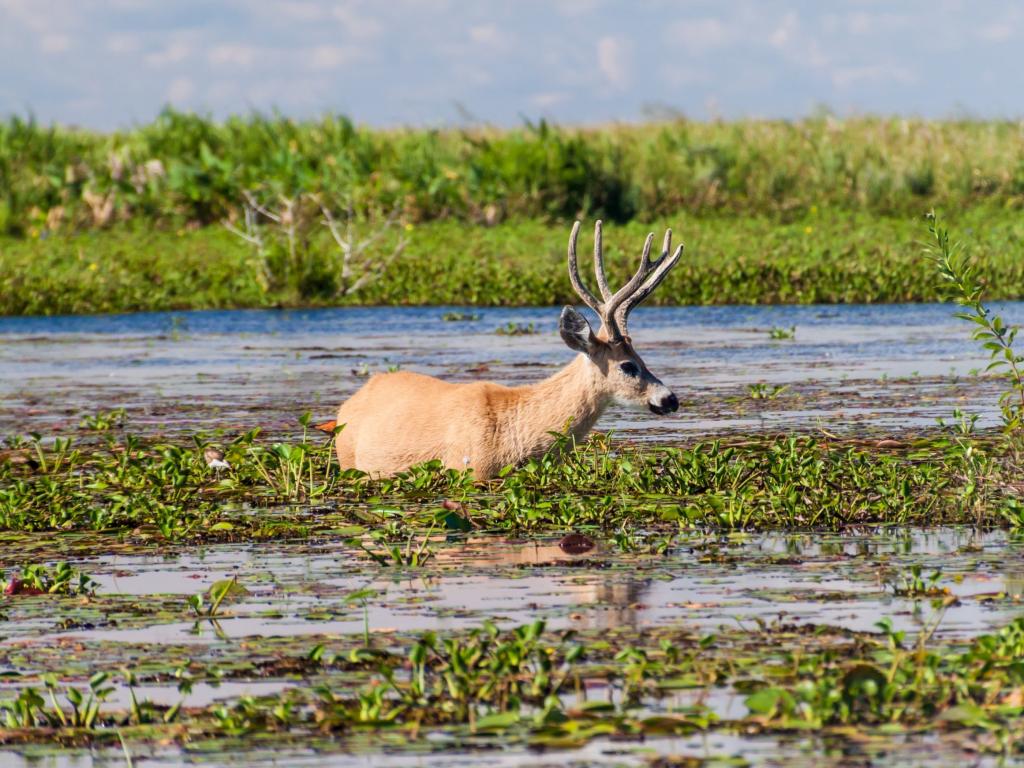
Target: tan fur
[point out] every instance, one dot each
(400, 419)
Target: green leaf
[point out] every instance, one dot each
(497, 721)
(766, 701)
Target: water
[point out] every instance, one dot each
(871, 370)
(298, 596)
(876, 368)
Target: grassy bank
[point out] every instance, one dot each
(828, 255)
(184, 167)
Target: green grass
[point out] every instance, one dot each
(829, 255)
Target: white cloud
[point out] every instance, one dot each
(358, 27)
(677, 77)
(39, 15)
(784, 34)
(576, 7)
(325, 57)
(169, 54)
(300, 11)
(233, 54)
(845, 77)
(485, 34)
(997, 32)
(613, 56)
(698, 36)
(573, 60)
(123, 44)
(54, 43)
(796, 45)
(547, 99)
(864, 23)
(180, 90)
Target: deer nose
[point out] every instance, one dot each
(665, 404)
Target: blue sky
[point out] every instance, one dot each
(111, 63)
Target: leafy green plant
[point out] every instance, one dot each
(956, 269)
(763, 391)
(104, 420)
(916, 585)
(516, 329)
(59, 579)
(216, 595)
(413, 555)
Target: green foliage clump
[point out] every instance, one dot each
(772, 482)
(187, 168)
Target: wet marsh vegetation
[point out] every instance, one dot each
(819, 560)
(844, 591)
(261, 211)
(283, 604)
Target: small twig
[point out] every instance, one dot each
(255, 205)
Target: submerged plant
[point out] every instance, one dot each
(512, 328)
(782, 334)
(763, 391)
(413, 555)
(914, 584)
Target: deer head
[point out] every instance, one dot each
(622, 370)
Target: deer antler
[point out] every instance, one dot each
(615, 308)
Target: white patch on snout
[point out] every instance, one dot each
(660, 393)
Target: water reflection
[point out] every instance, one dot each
(847, 580)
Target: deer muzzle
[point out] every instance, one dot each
(662, 403)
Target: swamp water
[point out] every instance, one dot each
(870, 372)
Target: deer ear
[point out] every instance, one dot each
(576, 332)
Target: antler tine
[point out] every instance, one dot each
(666, 246)
(615, 326)
(602, 279)
(574, 275)
(652, 280)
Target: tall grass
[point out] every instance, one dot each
(186, 168)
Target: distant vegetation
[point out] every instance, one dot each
(185, 168)
(827, 257)
(819, 210)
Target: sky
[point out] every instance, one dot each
(114, 63)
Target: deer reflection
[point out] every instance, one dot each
(575, 574)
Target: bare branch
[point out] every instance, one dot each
(255, 205)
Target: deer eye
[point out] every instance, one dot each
(630, 369)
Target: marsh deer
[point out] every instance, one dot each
(399, 419)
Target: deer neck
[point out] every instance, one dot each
(571, 400)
